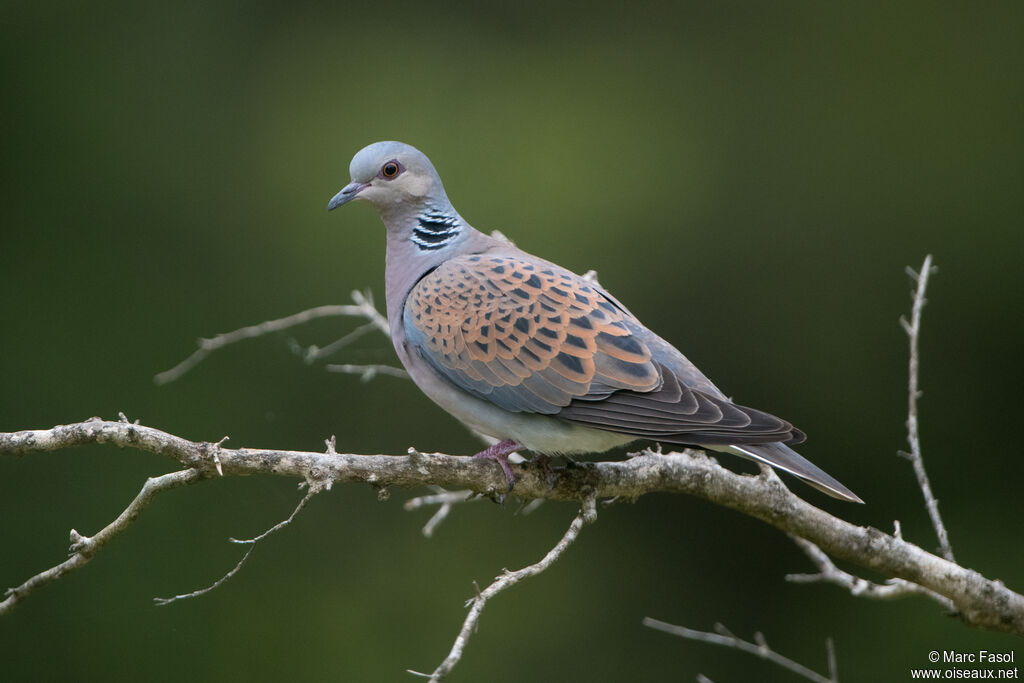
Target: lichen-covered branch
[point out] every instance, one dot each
(895, 587)
(979, 602)
(828, 572)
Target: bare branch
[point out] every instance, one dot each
(314, 353)
(84, 548)
(439, 497)
(435, 520)
(367, 372)
(587, 514)
(533, 505)
(913, 330)
(445, 500)
(759, 648)
(828, 572)
(979, 602)
(830, 654)
(368, 310)
(313, 489)
(362, 308)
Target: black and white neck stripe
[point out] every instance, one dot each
(436, 228)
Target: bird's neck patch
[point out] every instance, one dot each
(435, 229)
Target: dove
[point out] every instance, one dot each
(535, 356)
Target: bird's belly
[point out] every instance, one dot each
(536, 432)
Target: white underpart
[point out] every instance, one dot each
(535, 432)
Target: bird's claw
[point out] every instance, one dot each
(499, 453)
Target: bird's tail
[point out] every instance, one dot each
(783, 457)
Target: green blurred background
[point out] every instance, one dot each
(750, 178)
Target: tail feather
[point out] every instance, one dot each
(785, 458)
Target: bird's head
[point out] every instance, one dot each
(390, 175)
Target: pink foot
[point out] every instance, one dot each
(499, 453)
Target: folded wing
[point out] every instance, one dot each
(530, 336)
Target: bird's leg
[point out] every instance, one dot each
(499, 453)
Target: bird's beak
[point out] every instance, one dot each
(347, 194)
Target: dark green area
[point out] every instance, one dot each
(750, 178)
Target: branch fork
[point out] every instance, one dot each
(978, 601)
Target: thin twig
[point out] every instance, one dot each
(439, 497)
(587, 514)
(444, 500)
(84, 548)
(435, 520)
(364, 300)
(530, 506)
(913, 330)
(830, 653)
(759, 648)
(828, 572)
(314, 353)
(367, 372)
(363, 308)
(313, 489)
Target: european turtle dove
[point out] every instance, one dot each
(525, 351)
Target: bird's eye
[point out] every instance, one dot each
(390, 170)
